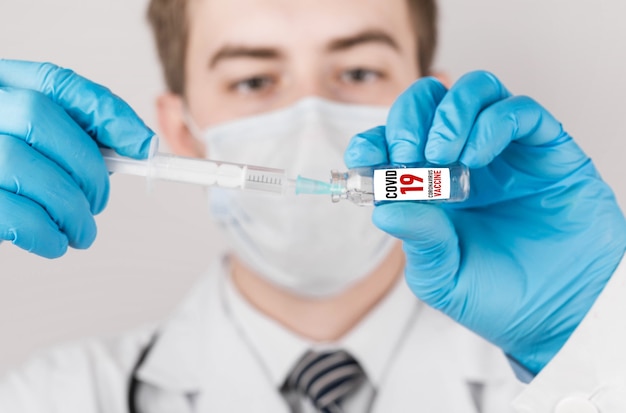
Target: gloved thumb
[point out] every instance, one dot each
(431, 246)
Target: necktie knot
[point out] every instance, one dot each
(326, 378)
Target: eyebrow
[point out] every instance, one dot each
(232, 52)
(364, 37)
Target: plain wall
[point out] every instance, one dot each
(570, 55)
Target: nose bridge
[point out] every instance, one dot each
(318, 80)
(307, 84)
(309, 77)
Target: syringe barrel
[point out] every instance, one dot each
(195, 171)
(200, 171)
(267, 180)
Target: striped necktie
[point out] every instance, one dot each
(326, 378)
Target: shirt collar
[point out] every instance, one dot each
(276, 348)
(375, 340)
(372, 341)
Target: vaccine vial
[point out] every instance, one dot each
(395, 183)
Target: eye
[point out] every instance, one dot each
(360, 75)
(254, 84)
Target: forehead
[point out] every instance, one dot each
(294, 23)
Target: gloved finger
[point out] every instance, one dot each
(29, 174)
(45, 126)
(367, 148)
(105, 117)
(548, 151)
(430, 244)
(29, 227)
(457, 112)
(410, 119)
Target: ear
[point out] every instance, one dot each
(444, 78)
(171, 117)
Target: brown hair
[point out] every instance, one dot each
(424, 19)
(170, 25)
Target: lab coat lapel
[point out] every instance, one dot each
(200, 353)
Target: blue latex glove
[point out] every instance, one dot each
(52, 176)
(522, 261)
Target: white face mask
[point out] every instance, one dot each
(305, 244)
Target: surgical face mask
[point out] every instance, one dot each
(305, 244)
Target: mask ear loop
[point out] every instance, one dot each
(154, 147)
(193, 127)
(191, 124)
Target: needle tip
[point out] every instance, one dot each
(312, 186)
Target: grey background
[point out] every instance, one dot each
(568, 54)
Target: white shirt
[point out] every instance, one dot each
(371, 342)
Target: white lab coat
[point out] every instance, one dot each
(200, 364)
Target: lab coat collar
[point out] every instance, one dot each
(172, 362)
(199, 351)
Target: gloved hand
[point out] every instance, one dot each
(52, 176)
(524, 258)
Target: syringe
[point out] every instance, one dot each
(213, 173)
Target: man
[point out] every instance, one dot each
(304, 310)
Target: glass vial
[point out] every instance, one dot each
(392, 183)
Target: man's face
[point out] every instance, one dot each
(250, 56)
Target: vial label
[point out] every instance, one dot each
(411, 184)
